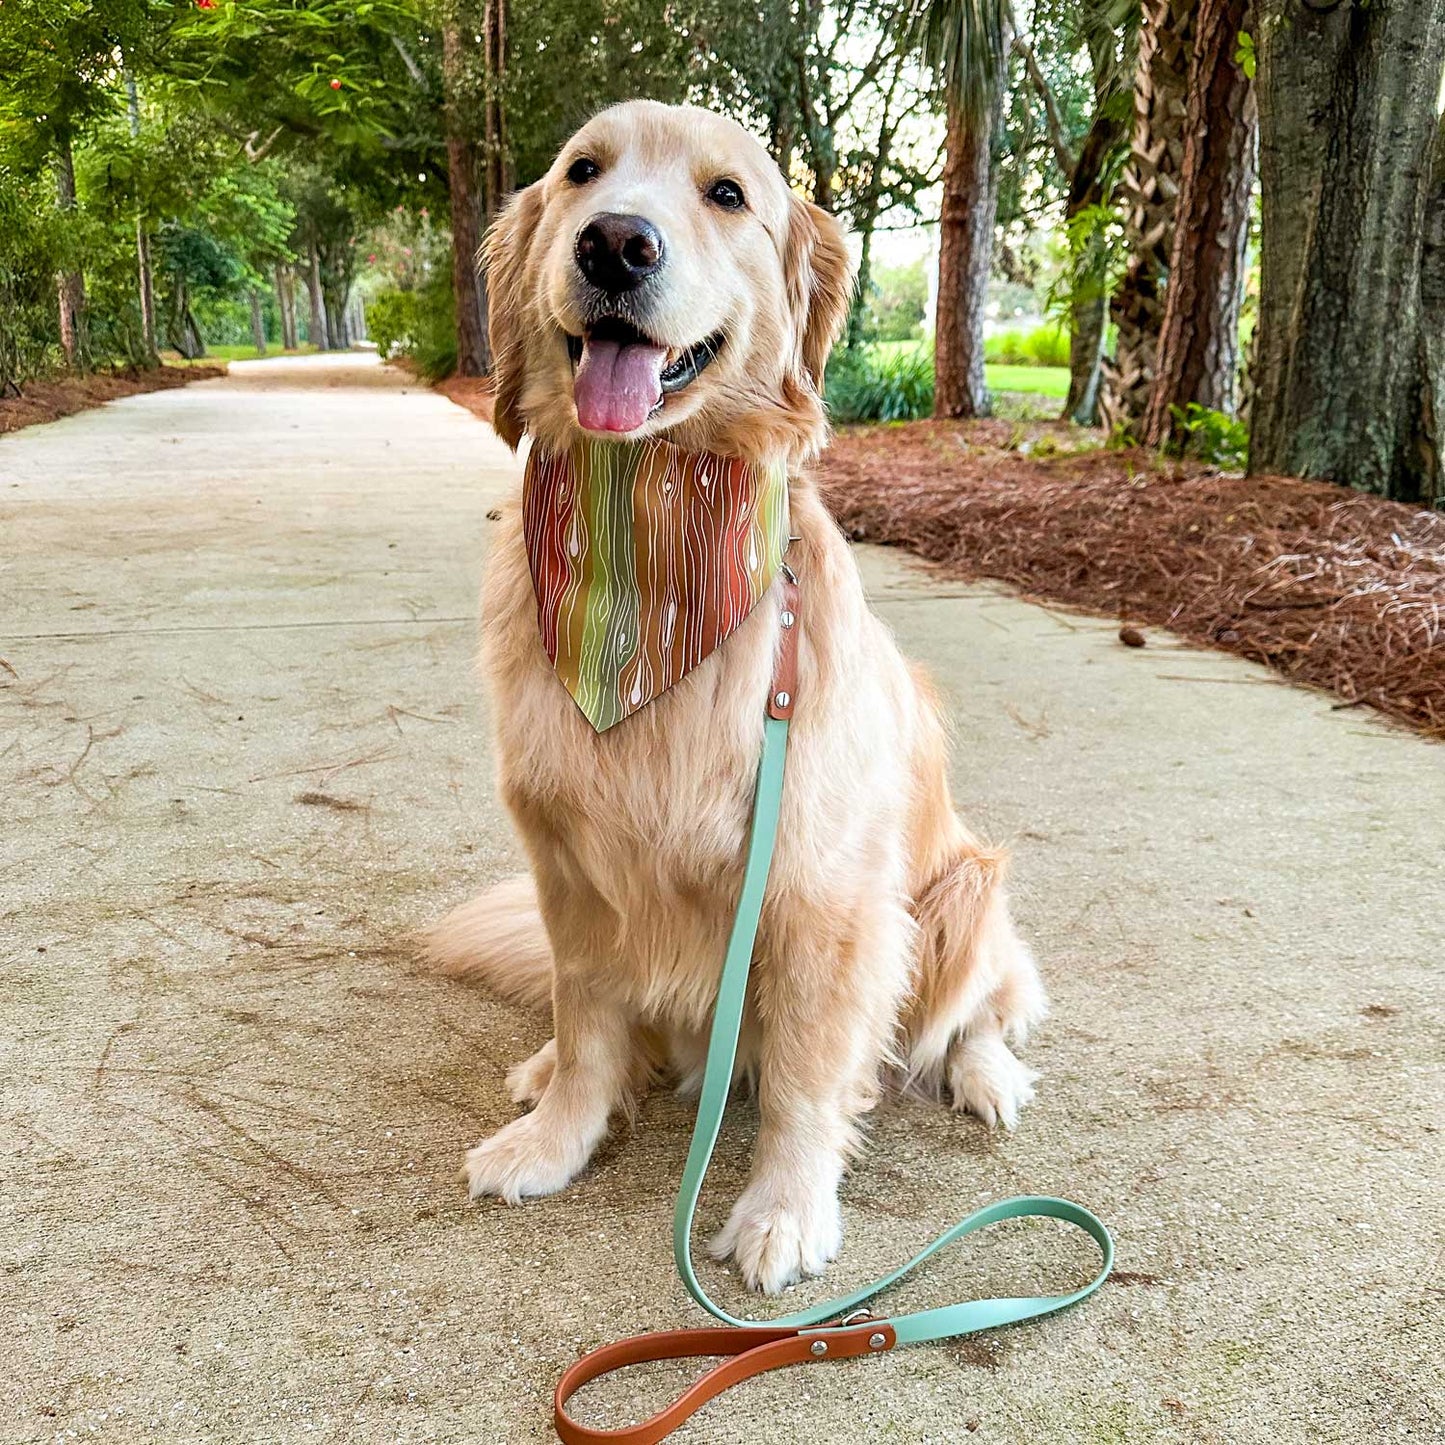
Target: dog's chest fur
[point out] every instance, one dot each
(650, 817)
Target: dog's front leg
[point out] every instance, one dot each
(825, 999)
(545, 1150)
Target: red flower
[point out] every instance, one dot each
(205, 4)
(335, 84)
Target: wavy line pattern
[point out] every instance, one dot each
(644, 558)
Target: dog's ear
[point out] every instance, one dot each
(505, 253)
(820, 286)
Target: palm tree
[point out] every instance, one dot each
(1150, 186)
(965, 44)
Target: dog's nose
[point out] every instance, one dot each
(618, 253)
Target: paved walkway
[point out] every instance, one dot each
(241, 753)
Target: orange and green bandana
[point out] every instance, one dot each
(644, 559)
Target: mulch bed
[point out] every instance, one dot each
(472, 392)
(1332, 588)
(42, 401)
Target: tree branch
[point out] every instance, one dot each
(1058, 135)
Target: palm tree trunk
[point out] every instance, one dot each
(965, 250)
(1198, 354)
(1150, 185)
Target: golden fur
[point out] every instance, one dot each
(886, 945)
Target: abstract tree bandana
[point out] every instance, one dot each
(644, 559)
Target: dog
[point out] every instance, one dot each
(886, 950)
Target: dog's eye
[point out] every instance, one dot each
(582, 170)
(727, 194)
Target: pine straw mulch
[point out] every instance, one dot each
(41, 401)
(1332, 588)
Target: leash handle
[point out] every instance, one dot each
(827, 1331)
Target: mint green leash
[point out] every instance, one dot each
(934, 1324)
(839, 1328)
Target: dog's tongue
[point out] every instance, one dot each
(617, 384)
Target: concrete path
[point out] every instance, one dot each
(241, 754)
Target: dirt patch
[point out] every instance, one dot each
(472, 392)
(1332, 588)
(42, 401)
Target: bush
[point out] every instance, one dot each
(880, 384)
(419, 324)
(1046, 345)
(1212, 436)
(391, 322)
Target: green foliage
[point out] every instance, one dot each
(1046, 345)
(391, 322)
(419, 325)
(880, 384)
(897, 301)
(1245, 55)
(1211, 436)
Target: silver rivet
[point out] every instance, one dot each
(783, 699)
(820, 1347)
(876, 1342)
(787, 618)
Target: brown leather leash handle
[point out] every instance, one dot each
(749, 1352)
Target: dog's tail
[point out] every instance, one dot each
(497, 939)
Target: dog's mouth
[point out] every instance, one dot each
(621, 375)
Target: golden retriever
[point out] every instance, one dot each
(886, 949)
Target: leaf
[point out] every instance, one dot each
(1245, 56)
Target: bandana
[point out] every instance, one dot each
(644, 559)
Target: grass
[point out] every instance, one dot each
(242, 351)
(1052, 381)
(1040, 380)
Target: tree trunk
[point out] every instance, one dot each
(1198, 355)
(1089, 302)
(316, 333)
(336, 337)
(69, 285)
(258, 322)
(144, 275)
(1347, 134)
(965, 249)
(472, 358)
(497, 180)
(1432, 333)
(286, 305)
(1150, 185)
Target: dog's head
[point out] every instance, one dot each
(662, 280)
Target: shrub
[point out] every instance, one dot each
(1211, 436)
(876, 384)
(419, 324)
(391, 321)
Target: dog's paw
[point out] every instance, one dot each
(528, 1081)
(521, 1162)
(986, 1079)
(778, 1234)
